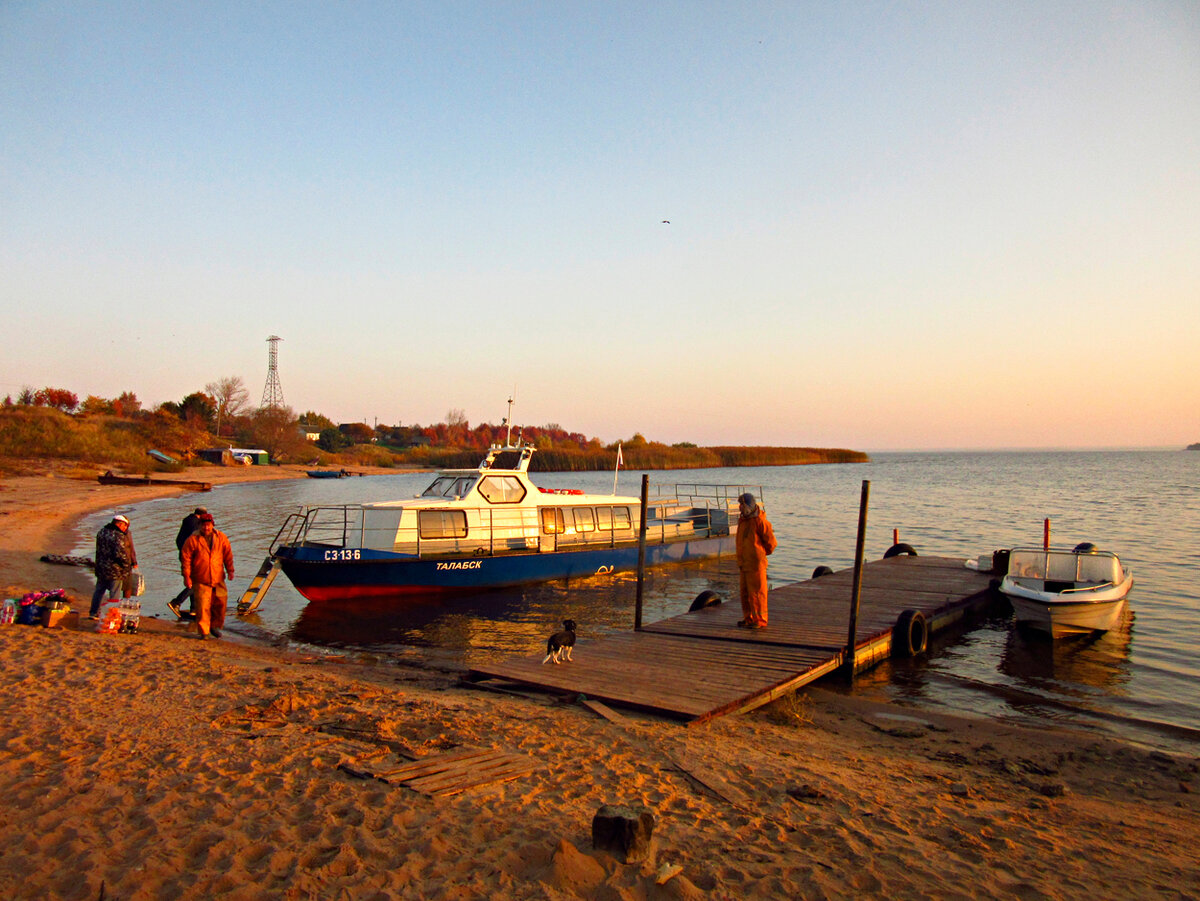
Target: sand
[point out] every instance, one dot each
(158, 766)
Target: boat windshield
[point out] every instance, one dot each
(1065, 566)
(450, 486)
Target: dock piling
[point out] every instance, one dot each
(856, 588)
(641, 566)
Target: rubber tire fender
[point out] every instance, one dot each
(910, 636)
(822, 571)
(707, 598)
(897, 549)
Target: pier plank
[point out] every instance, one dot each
(701, 664)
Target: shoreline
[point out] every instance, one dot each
(41, 514)
(154, 765)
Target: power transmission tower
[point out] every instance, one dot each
(273, 392)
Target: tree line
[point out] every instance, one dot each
(53, 422)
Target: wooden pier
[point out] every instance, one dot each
(699, 665)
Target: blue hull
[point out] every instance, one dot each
(324, 575)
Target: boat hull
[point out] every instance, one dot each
(1061, 617)
(327, 575)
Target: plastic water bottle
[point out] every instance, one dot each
(135, 614)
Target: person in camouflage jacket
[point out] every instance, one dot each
(115, 560)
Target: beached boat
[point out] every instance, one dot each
(1066, 591)
(109, 478)
(327, 473)
(490, 527)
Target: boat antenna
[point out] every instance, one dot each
(508, 420)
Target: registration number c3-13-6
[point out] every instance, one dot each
(343, 555)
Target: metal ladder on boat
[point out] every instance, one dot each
(257, 589)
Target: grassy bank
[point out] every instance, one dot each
(120, 443)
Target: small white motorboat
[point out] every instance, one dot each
(1066, 591)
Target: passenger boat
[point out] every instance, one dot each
(1066, 591)
(491, 527)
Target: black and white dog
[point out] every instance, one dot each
(558, 646)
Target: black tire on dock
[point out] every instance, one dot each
(704, 599)
(897, 549)
(822, 571)
(910, 636)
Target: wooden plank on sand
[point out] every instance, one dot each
(456, 771)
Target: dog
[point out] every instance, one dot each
(558, 645)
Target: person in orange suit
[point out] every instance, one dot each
(205, 558)
(755, 542)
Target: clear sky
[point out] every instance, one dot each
(891, 225)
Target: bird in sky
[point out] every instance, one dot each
(666, 222)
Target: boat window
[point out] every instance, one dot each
(1028, 564)
(608, 517)
(1061, 567)
(450, 486)
(585, 519)
(552, 521)
(442, 523)
(1095, 568)
(502, 489)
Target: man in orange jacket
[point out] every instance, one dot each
(206, 557)
(755, 542)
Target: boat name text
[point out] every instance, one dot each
(343, 555)
(461, 564)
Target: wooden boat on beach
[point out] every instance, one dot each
(327, 473)
(491, 527)
(1066, 591)
(109, 478)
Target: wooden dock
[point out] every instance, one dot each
(699, 665)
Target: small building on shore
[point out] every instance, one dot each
(235, 456)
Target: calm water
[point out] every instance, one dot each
(1140, 680)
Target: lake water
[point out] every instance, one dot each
(1140, 680)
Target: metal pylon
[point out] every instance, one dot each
(273, 392)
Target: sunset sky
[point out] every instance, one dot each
(888, 225)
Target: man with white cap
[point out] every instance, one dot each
(115, 561)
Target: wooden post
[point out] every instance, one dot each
(1046, 534)
(852, 640)
(641, 578)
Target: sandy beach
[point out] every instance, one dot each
(157, 766)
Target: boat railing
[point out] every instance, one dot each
(690, 511)
(1089, 586)
(722, 496)
(320, 526)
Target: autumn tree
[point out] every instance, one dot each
(332, 440)
(197, 409)
(59, 398)
(274, 429)
(230, 396)
(357, 432)
(94, 405)
(127, 404)
(313, 421)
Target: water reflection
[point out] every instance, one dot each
(1037, 661)
(462, 630)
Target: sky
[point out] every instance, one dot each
(871, 225)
